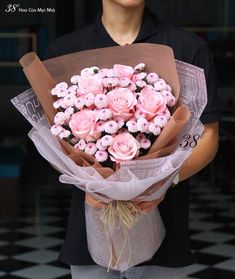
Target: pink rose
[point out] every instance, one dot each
(151, 102)
(83, 123)
(121, 102)
(124, 148)
(91, 84)
(122, 71)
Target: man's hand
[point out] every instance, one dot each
(146, 206)
(93, 202)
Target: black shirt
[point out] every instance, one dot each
(175, 249)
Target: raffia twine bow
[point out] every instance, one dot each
(119, 215)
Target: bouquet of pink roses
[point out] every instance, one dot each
(119, 131)
(113, 114)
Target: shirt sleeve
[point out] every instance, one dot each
(204, 60)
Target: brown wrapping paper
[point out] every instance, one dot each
(41, 82)
(157, 58)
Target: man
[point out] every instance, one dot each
(126, 22)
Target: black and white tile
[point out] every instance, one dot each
(30, 242)
(212, 214)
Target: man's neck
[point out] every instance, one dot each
(122, 24)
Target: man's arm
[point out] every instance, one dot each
(203, 153)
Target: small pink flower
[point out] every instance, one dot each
(153, 128)
(132, 126)
(120, 122)
(59, 118)
(170, 99)
(56, 130)
(132, 86)
(79, 103)
(171, 102)
(167, 114)
(87, 72)
(139, 114)
(65, 134)
(110, 82)
(82, 124)
(160, 120)
(111, 73)
(139, 76)
(101, 156)
(160, 85)
(62, 86)
(140, 83)
(152, 78)
(151, 102)
(63, 104)
(54, 91)
(59, 92)
(91, 84)
(80, 145)
(57, 104)
(140, 67)
(121, 102)
(89, 99)
(166, 94)
(62, 93)
(73, 89)
(123, 71)
(75, 79)
(124, 82)
(105, 114)
(145, 143)
(106, 140)
(70, 100)
(100, 126)
(140, 137)
(168, 88)
(103, 72)
(142, 125)
(91, 148)
(101, 101)
(110, 127)
(68, 112)
(100, 146)
(124, 148)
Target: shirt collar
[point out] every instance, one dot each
(150, 25)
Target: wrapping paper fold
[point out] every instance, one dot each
(146, 178)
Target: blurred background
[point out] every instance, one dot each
(34, 206)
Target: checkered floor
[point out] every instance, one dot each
(31, 239)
